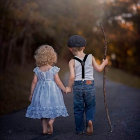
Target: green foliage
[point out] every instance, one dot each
(122, 24)
(116, 75)
(25, 25)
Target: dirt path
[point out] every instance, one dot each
(124, 108)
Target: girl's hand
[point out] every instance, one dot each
(68, 89)
(105, 61)
(30, 98)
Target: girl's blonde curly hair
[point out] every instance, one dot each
(45, 55)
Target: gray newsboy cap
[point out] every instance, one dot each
(76, 41)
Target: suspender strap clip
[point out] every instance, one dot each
(82, 63)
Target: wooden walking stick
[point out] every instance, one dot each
(104, 78)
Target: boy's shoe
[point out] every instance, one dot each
(89, 128)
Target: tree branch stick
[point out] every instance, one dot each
(104, 78)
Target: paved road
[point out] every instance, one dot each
(124, 108)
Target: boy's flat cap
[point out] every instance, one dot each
(76, 41)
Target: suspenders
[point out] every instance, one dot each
(82, 64)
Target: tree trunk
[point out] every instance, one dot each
(23, 52)
(9, 52)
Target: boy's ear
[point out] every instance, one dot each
(70, 49)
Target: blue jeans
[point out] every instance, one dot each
(84, 103)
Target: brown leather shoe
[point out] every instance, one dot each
(90, 128)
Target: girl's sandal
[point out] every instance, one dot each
(89, 128)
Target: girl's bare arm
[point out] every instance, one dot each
(33, 86)
(59, 82)
(97, 67)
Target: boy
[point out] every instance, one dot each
(82, 80)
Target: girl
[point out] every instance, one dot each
(46, 97)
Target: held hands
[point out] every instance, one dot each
(68, 89)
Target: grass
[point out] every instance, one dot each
(14, 89)
(123, 77)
